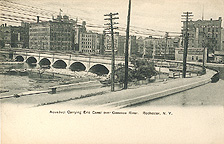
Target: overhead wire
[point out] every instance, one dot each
(31, 13)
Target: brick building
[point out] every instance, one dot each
(222, 39)
(89, 43)
(14, 36)
(193, 55)
(151, 47)
(78, 31)
(204, 33)
(118, 44)
(5, 35)
(133, 49)
(52, 35)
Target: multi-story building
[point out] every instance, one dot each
(194, 54)
(151, 47)
(14, 36)
(5, 36)
(52, 35)
(78, 31)
(222, 39)
(24, 35)
(140, 46)
(148, 47)
(204, 33)
(108, 46)
(133, 49)
(119, 45)
(89, 43)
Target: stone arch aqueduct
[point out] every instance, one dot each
(56, 60)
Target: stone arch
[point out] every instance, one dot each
(45, 61)
(31, 60)
(60, 64)
(77, 66)
(19, 58)
(99, 69)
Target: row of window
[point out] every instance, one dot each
(89, 35)
(85, 39)
(61, 26)
(61, 34)
(38, 38)
(85, 46)
(60, 39)
(39, 43)
(210, 29)
(39, 29)
(61, 30)
(87, 43)
(194, 58)
(88, 51)
(39, 34)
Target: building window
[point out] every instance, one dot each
(196, 57)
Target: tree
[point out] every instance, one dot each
(142, 69)
(120, 74)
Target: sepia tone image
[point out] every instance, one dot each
(112, 71)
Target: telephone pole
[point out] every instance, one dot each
(126, 47)
(186, 15)
(111, 31)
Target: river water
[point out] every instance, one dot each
(14, 84)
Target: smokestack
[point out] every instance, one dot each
(38, 19)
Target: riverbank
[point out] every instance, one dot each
(129, 97)
(137, 93)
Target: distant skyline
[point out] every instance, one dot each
(164, 15)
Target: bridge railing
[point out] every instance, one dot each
(177, 66)
(66, 53)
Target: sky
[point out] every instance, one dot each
(163, 15)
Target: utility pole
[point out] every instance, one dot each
(186, 16)
(126, 47)
(166, 37)
(111, 28)
(143, 56)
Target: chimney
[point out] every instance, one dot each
(38, 19)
